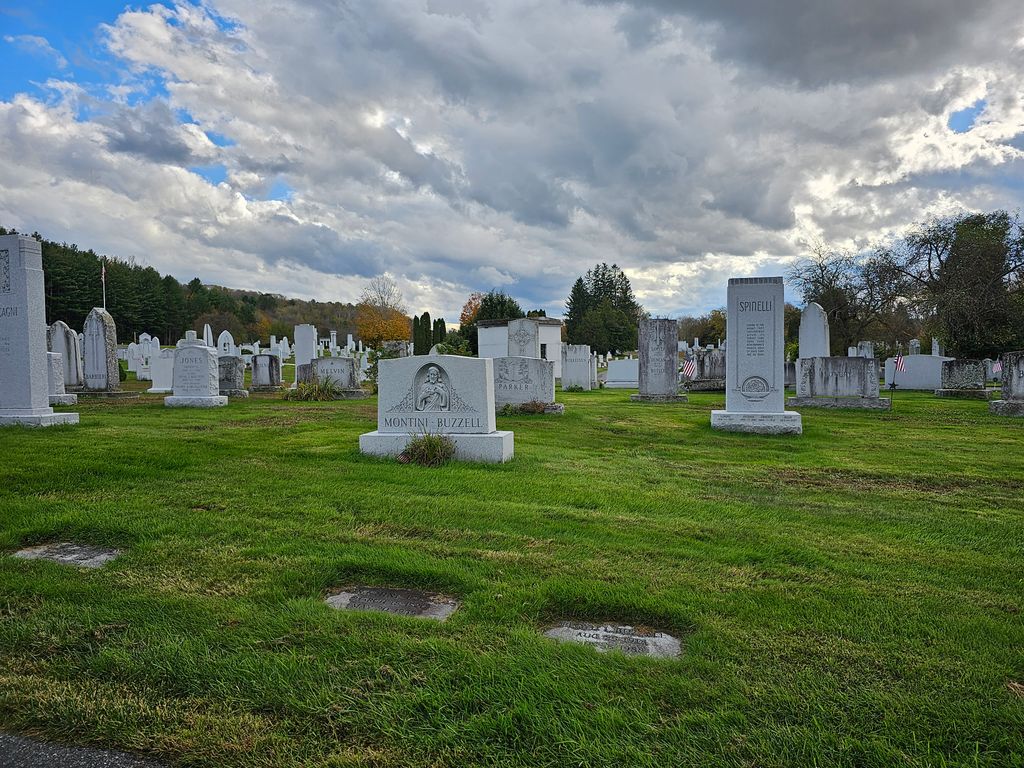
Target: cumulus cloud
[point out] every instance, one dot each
(463, 145)
(38, 45)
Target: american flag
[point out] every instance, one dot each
(997, 366)
(898, 363)
(690, 368)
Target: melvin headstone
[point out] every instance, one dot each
(343, 372)
(519, 380)
(99, 349)
(754, 372)
(231, 376)
(576, 367)
(1012, 401)
(24, 365)
(659, 362)
(523, 338)
(438, 394)
(266, 373)
(814, 333)
(196, 376)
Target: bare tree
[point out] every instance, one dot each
(382, 292)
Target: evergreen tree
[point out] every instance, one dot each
(417, 342)
(440, 331)
(603, 284)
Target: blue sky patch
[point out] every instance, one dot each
(214, 174)
(963, 120)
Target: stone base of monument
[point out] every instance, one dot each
(260, 390)
(195, 402)
(39, 418)
(658, 398)
(706, 385)
(965, 394)
(164, 391)
(352, 394)
(63, 400)
(493, 448)
(105, 394)
(785, 423)
(235, 392)
(1007, 407)
(871, 403)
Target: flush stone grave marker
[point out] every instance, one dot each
(68, 553)
(632, 641)
(754, 371)
(401, 602)
(659, 362)
(24, 365)
(196, 376)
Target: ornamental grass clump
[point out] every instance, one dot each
(318, 390)
(429, 450)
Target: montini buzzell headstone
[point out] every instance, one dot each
(1012, 401)
(576, 367)
(659, 362)
(438, 394)
(754, 371)
(24, 365)
(99, 348)
(521, 380)
(196, 375)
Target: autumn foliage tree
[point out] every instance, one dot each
(380, 314)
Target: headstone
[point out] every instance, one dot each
(266, 373)
(866, 349)
(790, 376)
(395, 348)
(1012, 401)
(658, 378)
(24, 365)
(755, 383)
(401, 602)
(814, 333)
(64, 342)
(196, 376)
(709, 375)
(837, 382)
(914, 347)
(161, 367)
(58, 396)
(631, 641)
(68, 553)
(334, 342)
(623, 374)
(936, 347)
(576, 367)
(231, 376)
(100, 352)
(442, 394)
(593, 371)
(963, 379)
(207, 335)
(922, 372)
(133, 355)
(305, 350)
(523, 338)
(342, 371)
(226, 345)
(520, 380)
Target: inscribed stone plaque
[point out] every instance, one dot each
(659, 357)
(402, 602)
(576, 366)
(436, 394)
(632, 641)
(754, 372)
(523, 338)
(340, 370)
(68, 553)
(523, 380)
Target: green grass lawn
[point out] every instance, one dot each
(851, 597)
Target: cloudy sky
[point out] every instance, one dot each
(305, 146)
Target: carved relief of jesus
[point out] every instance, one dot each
(433, 393)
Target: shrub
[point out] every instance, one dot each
(317, 390)
(122, 370)
(522, 409)
(573, 388)
(429, 450)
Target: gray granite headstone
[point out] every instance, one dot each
(402, 602)
(305, 347)
(814, 333)
(523, 338)
(519, 380)
(607, 637)
(266, 373)
(196, 376)
(231, 374)
(576, 366)
(99, 350)
(659, 361)
(69, 553)
(1012, 401)
(64, 342)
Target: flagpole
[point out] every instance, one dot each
(103, 279)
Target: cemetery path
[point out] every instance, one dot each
(19, 752)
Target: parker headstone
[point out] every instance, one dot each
(401, 602)
(814, 333)
(755, 379)
(162, 369)
(305, 351)
(520, 380)
(963, 379)
(64, 342)
(576, 366)
(631, 641)
(438, 394)
(24, 365)
(100, 352)
(196, 376)
(343, 372)
(1012, 401)
(523, 338)
(658, 377)
(266, 373)
(837, 382)
(231, 376)
(58, 395)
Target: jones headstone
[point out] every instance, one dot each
(24, 366)
(519, 380)
(755, 377)
(658, 378)
(814, 333)
(100, 352)
(231, 376)
(196, 375)
(576, 366)
(266, 373)
(524, 338)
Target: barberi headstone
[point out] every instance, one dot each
(659, 362)
(755, 379)
(814, 333)
(576, 366)
(24, 365)
(231, 376)
(266, 373)
(342, 371)
(438, 394)
(1012, 401)
(401, 602)
(524, 338)
(64, 342)
(963, 379)
(305, 351)
(99, 350)
(161, 366)
(631, 641)
(196, 375)
(519, 380)
(58, 395)
(837, 382)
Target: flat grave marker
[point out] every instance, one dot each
(632, 641)
(69, 553)
(401, 602)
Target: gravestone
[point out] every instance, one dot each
(100, 352)
(914, 347)
(866, 349)
(266, 373)
(196, 376)
(755, 384)
(207, 335)
(57, 393)
(709, 371)
(814, 333)
(231, 376)
(523, 338)
(400, 602)
(64, 342)
(576, 366)
(593, 371)
(922, 372)
(1012, 401)
(623, 374)
(852, 352)
(837, 382)
(343, 372)
(24, 365)
(133, 356)
(519, 380)
(937, 348)
(226, 345)
(305, 352)
(631, 641)
(161, 367)
(68, 553)
(963, 379)
(439, 394)
(658, 370)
